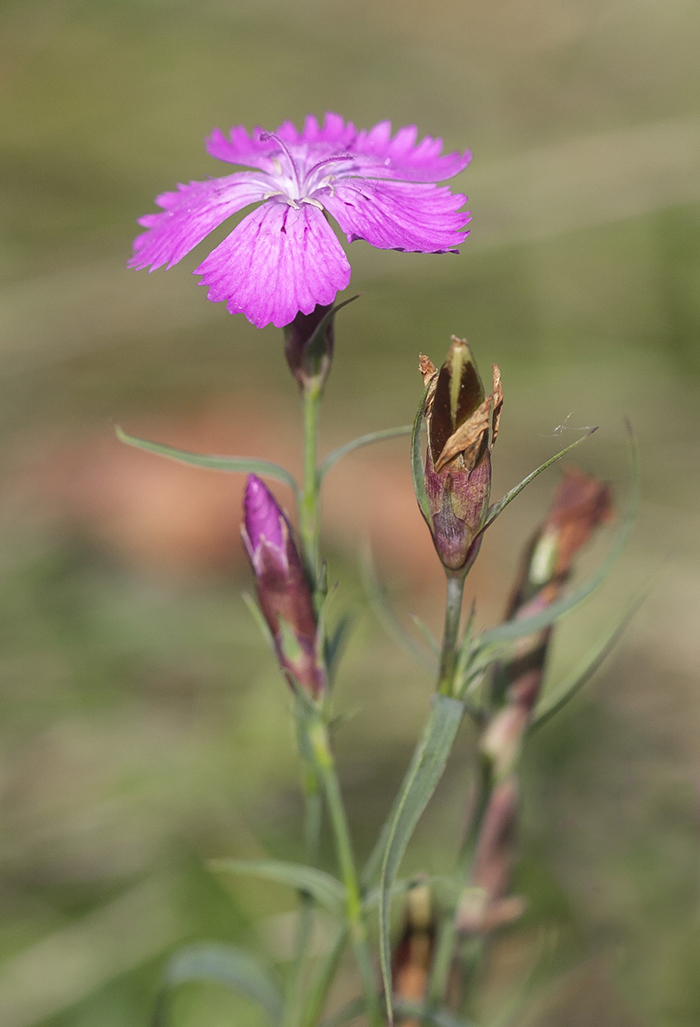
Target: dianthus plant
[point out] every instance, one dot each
(283, 263)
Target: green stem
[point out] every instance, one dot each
(447, 933)
(309, 506)
(318, 735)
(453, 614)
(313, 815)
(320, 987)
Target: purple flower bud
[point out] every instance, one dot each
(462, 425)
(282, 587)
(308, 346)
(263, 518)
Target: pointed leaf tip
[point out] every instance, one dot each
(228, 464)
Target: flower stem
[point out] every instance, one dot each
(447, 928)
(309, 507)
(318, 735)
(453, 613)
(294, 1003)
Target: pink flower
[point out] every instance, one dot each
(284, 258)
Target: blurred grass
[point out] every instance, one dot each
(143, 728)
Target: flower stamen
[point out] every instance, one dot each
(264, 136)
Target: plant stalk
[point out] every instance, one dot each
(453, 614)
(318, 734)
(309, 505)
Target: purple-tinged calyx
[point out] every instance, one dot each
(282, 587)
(308, 346)
(462, 425)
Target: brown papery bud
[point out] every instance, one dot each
(462, 425)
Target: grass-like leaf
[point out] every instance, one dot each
(231, 967)
(551, 703)
(386, 616)
(499, 507)
(229, 464)
(362, 440)
(336, 642)
(256, 614)
(326, 889)
(428, 635)
(512, 629)
(421, 780)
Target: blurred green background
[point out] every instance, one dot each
(143, 728)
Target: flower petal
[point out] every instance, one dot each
(334, 131)
(417, 217)
(252, 151)
(380, 156)
(277, 262)
(190, 214)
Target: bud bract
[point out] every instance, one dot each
(283, 589)
(308, 346)
(462, 425)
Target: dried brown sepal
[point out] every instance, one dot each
(581, 504)
(497, 402)
(430, 376)
(469, 437)
(427, 368)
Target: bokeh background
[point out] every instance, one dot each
(143, 728)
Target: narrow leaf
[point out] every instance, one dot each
(326, 889)
(229, 966)
(362, 440)
(230, 464)
(552, 702)
(386, 616)
(428, 635)
(256, 614)
(336, 642)
(528, 625)
(417, 471)
(422, 777)
(499, 507)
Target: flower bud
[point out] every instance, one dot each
(308, 346)
(486, 904)
(282, 587)
(462, 425)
